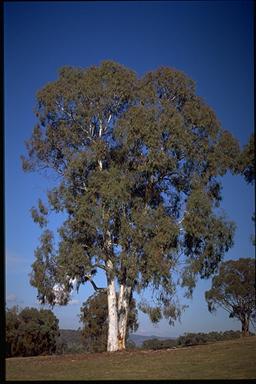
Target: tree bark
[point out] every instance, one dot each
(112, 344)
(245, 326)
(123, 309)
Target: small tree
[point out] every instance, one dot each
(94, 316)
(30, 332)
(233, 289)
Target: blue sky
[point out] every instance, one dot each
(211, 41)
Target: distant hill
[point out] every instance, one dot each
(74, 336)
(70, 336)
(139, 339)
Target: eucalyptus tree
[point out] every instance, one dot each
(233, 289)
(138, 163)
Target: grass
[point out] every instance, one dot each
(234, 359)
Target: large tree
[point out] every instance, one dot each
(233, 289)
(138, 163)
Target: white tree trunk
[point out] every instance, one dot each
(112, 343)
(112, 313)
(123, 308)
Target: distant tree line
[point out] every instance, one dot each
(201, 338)
(159, 344)
(71, 341)
(30, 332)
(190, 339)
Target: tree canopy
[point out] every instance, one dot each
(139, 162)
(233, 289)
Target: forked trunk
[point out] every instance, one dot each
(123, 308)
(112, 344)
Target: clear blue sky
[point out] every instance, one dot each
(211, 41)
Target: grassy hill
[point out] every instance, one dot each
(234, 359)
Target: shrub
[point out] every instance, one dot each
(30, 332)
(159, 344)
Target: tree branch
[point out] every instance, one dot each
(95, 286)
(89, 278)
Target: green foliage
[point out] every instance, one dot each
(247, 161)
(233, 289)
(70, 341)
(246, 166)
(94, 317)
(75, 348)
(154, 313)
(189, 339)
(30, 332)
(156, 344)
(12, 325)
(139, 161)
(131, 345)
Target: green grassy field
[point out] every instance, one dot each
(233, 359)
